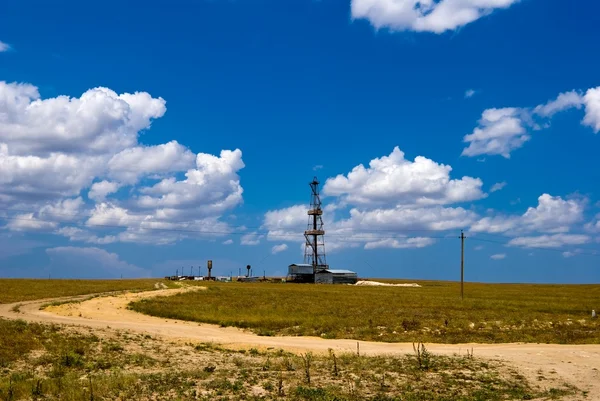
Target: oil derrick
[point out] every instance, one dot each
(314, 251)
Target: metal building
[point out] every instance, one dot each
(301, 273)
(344, 276)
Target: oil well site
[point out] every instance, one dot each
(314, 268)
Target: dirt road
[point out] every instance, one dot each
(577, 365)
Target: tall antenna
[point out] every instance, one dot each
(314, 251)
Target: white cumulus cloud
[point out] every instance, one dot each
(51, 150)
(279, 248)
(4, 47)
(400, 243)
(500, 131)
(372, 206)
(28, 222)
(592, 109)
(251, 239)
(550, 241)
(129, 164)
(553, 214)
(424, 15)
(397, 181)
(564, 101)
(498, 256)
(100, 190)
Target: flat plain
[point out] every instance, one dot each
(434, 312)
(102, 349)
(17, 290)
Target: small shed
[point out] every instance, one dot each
(344, 277)
(301, 273)
(324, 277)
(301, 268)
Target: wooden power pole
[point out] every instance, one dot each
(462, 264)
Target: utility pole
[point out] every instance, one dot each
(462, 264)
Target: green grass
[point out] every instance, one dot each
(490, 313)
(50, 362)
(19, 290)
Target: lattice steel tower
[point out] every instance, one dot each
(314, 251)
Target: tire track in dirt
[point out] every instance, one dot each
(577, 365)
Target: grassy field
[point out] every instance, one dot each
(18, 290)
(490, 313)
(51, 362)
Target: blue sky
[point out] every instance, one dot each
(139, 138)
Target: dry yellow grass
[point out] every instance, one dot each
(490, 313)
(18, 290)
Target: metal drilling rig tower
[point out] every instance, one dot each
(314, 251)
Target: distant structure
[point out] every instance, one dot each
(315, 268)
(314, 250)
(178, 277)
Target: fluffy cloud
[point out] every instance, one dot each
(98, 122)
(251, 239)
(392, 195)
(34, 176)
(502, 130)
(413, 219)
(78, 235)
(4, 47)
(62, 210)
(550, 241)
(368, 228)
(214, 183)
(424, 15)
(53, 149)
(155, 227)
(376, 207)
(592, 109)
(129, 164)
(498, 256)
(228, 242)
(100, 190)
(28, 222)
(91, 263)
(564, 101)
(401, 243)
(552, 215)
(498, 186)
(394, 180)
(594, 225)
(69, 138)
(279, 248)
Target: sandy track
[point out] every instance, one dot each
(578, 365)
